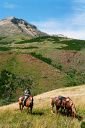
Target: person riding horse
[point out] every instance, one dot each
(27, 93)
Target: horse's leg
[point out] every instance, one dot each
(20, 106)
(61, 109)
(56, 110)
(52, 109)
(67, 113)
(27, 110)
(64, 111)
(31, 109)
(51, 106)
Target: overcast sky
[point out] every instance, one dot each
(51, 16)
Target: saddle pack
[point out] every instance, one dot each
(64, 100)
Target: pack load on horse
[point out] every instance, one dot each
(26, 101)
(66, 104)
(63, 103)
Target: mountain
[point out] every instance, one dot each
(12, 26)
(59, 35)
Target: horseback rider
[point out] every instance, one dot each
(27, 93)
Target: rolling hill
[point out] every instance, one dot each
(43, 63)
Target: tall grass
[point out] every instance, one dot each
(42, 116)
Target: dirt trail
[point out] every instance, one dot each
(43, 100)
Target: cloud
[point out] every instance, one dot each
(79, 1)
(47, 24)
(79, 20)
(9, 5)
(73, 27)
(69, 33)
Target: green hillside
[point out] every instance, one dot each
(42, 63)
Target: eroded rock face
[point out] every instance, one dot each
(12, 25)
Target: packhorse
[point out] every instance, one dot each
(52, 102)
(29, 103)
(63, 103)
(66, 104)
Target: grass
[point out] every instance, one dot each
(40, 39)
(42, 117)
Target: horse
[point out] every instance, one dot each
(67, 104)
(52, 102)
(29, 103)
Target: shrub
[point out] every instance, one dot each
(39, 56)
(5, 48)
(39, 39)
(11, 85)
(73, 45)
(83, 124)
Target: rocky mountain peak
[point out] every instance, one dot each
(12, 25)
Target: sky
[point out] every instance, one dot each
(65, 17)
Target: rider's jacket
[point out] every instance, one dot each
(27, 92)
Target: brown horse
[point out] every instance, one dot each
(52, 102)
(68, 105)
(29, 103)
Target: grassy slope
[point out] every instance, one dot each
(10, 115)
(45, 76)
(66, 67)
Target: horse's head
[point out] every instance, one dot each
(73, 110)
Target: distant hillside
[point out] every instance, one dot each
(43, 63)
(12, 26)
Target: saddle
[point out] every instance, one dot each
(21, 98)
(64, 100)
(26, 100)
